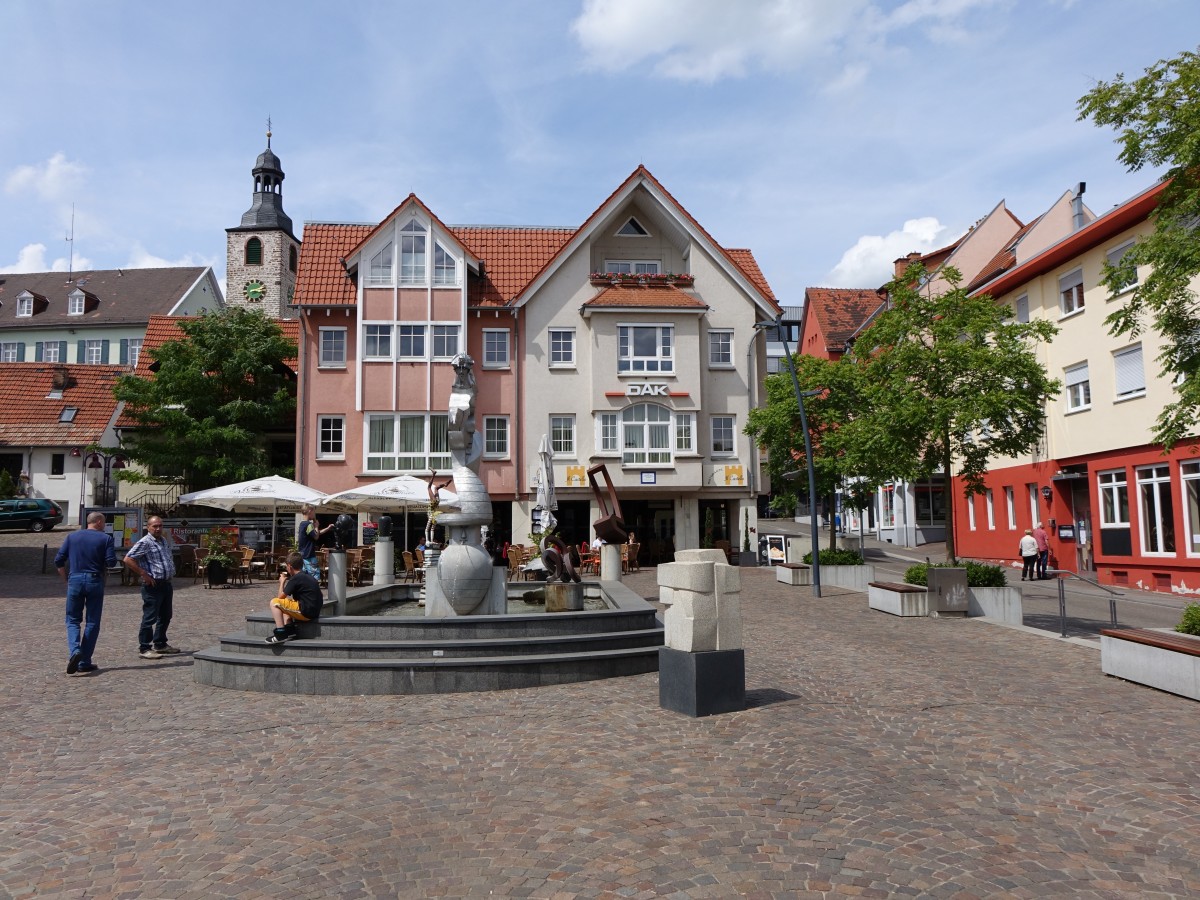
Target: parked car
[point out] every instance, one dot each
(36, 515)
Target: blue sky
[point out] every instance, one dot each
(827, 136)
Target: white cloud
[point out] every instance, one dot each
(32, 258)
(55, 179)
(141, 258)
(706, 40)
(870, 262)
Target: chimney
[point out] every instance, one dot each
(905, 261)
(1077, 207)
(61, 378)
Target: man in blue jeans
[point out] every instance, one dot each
(150, 559)
(86, 554)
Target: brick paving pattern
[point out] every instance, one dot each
(880, 757)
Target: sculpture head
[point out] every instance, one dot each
(463, 376)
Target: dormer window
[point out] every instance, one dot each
(632, 228)
(24, 307)
(75, 303)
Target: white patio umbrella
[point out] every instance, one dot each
(546, 498)
(271, 494)
(393, 495)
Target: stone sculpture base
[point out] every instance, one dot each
(494, 603)
(563, 597)
(699, 684)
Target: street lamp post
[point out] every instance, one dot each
(808, 458)
(107, 462)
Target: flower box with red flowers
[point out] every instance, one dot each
(642, 278)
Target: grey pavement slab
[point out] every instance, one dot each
(877, 757)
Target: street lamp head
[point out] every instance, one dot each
(94, 461)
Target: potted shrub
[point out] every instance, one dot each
(844, 568)
(219, 562)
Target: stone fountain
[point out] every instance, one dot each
(465, 582)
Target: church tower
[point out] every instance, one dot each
(262, 252)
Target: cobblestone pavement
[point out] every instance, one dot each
(879, 757)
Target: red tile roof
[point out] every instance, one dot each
(658, 296)
(29, 417)
(840, 312)
(320, 279)
(745, 261)
(512, 258)
(1004, 259)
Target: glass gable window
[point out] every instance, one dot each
(407, 443)
(380, 272)
(411, 341)
(377, 342)
(445, 341)
(333, 347)
(412, 253)
(1156, 509)
(445, 266)
(645, 348)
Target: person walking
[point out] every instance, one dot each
(1043, 544)
(150, 559)
(86, 554)
(1028, 549)
(308, 538)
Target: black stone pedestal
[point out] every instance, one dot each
(701, 684)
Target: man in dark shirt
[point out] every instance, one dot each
(299, 600)
(308, 538)
(88, 554)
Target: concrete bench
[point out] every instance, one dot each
(1165, 660)
(898, 599)
(796, 574)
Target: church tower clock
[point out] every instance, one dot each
(262, 252)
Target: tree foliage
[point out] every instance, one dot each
(215, 395)
(1157, 119)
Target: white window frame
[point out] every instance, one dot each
(1112, 488)
(632, 266)
(608, 434)
(1035, 515)
(381, 267)
(410, 333)
(331, 356)
(1189, 487)
(1070, 292)
(24, 307)
(375, 334)
(1129, 373)
(10, 351)
(971, 511)
(563, 442)
(720, 348)
(1157, 523)
(329, 444)
(1078, 387)
(76, 303)
(414, 253)
(685, 433)
(441, 333)
(722, 422)
(492, 359)
(50, 352)
(445, 266)
(93, 352)
(648, 442)
(991, 508)
(630, 363)
(1011, 501)
(562, 348)
(433, 431)
(1113, 257)
(133, 352)
(495, 437)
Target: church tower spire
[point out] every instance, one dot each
(262, 252)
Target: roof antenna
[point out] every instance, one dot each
(268, 131)
(70, 239)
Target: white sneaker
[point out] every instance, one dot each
(150, 654)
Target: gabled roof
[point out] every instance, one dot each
(512, 257)
(126, 296)
(166, 328)
(1004, 260)
(626, 296)
(1100, 229)
(30, 417)
(320, 279)
(841, 312)
(410, 200)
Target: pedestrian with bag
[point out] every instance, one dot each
(1043, 545)
(86, 555)
(1028, 549)
(151, 561)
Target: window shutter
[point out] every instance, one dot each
(37, 352)
(20, 351)
(1077, 375)
(1127, 366)
(62, 352)
(104, 353)
(124, 351)
(81, 351)
(1023, 308)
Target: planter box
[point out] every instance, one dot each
(906, 600)
(1000, 603)
(1167, 670)
(855, 578)
(794, 574)
(748, 558)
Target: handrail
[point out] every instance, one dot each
(1062, 595)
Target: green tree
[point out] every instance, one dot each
(216, 393)
(943, 380)
(776, 428)
(1157, 119)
